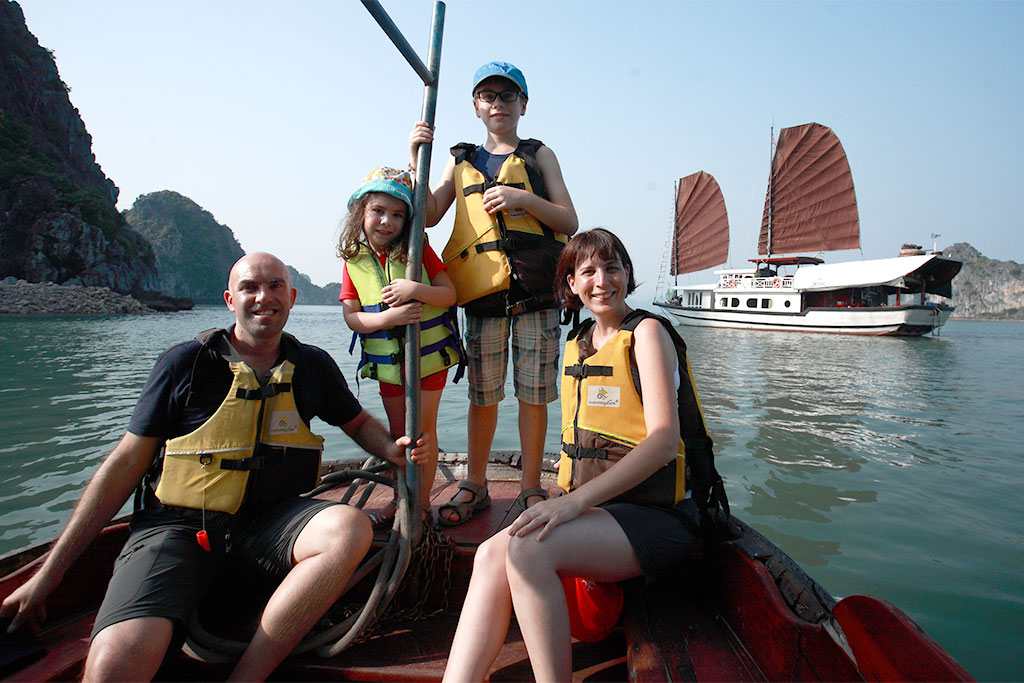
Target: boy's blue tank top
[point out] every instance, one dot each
(487, 163)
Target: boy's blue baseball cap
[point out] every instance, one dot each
(388, 180)
(503, 69)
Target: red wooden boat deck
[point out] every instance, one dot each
(732, 625)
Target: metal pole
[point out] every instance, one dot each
(414, 266)
(426, 75)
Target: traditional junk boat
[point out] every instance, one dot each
(810, 206)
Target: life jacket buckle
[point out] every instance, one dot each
(515, 309)
(578, 452)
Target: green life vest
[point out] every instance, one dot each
(383, 351)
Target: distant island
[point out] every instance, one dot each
(986, 289)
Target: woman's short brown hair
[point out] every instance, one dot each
(597, 243)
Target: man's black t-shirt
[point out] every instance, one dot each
(189, 382)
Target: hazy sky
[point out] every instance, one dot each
(268, 114)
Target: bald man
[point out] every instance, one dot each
(219, 448)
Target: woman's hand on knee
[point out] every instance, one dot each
(544, 516)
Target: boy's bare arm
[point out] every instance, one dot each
(443, 195)
(438, 201)
(563, 214)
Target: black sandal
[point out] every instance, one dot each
(526, 494)
(480, 500)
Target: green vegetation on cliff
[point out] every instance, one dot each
(59, 221)
(21, 158)
(193, 251)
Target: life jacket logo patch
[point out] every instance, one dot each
(603, 397)
(284, 422)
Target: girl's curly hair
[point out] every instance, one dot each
(352, 237)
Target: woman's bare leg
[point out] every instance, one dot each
(485, 616)
(594, 546)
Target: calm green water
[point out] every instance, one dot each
(883, 466)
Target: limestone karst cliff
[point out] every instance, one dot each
(193, 251)
(58, 220)
(986, 289)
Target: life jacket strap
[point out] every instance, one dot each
(436, 346)
(578, 452)
(432, 323)
(480, 187)
(581, 370)
(389, 359)
(506, 244)
(698, 443)
(263, 392)
(258, 462)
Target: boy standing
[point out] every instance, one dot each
(513, 214)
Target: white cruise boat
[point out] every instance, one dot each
(810, 206)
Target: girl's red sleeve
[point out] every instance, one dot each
(431, 263)
(348, 289)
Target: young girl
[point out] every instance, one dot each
(379, 301)
(621, 515)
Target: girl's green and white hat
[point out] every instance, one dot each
(388, 180)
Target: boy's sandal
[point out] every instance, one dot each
(526, 494)
(480, 500)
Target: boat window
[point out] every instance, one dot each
(751, 302)
(766, 303)
(735, 302)
(787, 303)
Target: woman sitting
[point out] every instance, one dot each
(626, 512)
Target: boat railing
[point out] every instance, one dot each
(748, 282)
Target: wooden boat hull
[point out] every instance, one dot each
(752, 614)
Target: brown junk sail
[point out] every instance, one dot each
(701, 237)
(811, 205)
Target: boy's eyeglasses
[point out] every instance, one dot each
(489, 96)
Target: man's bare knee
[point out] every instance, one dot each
(337, 530)
(128, 650)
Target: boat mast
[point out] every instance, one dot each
(673, 265)
(771, 186)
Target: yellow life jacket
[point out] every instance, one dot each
(501, 264)
(603, 418)
(254, 449)
(384, 350)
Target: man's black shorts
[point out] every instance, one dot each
(163, 572)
